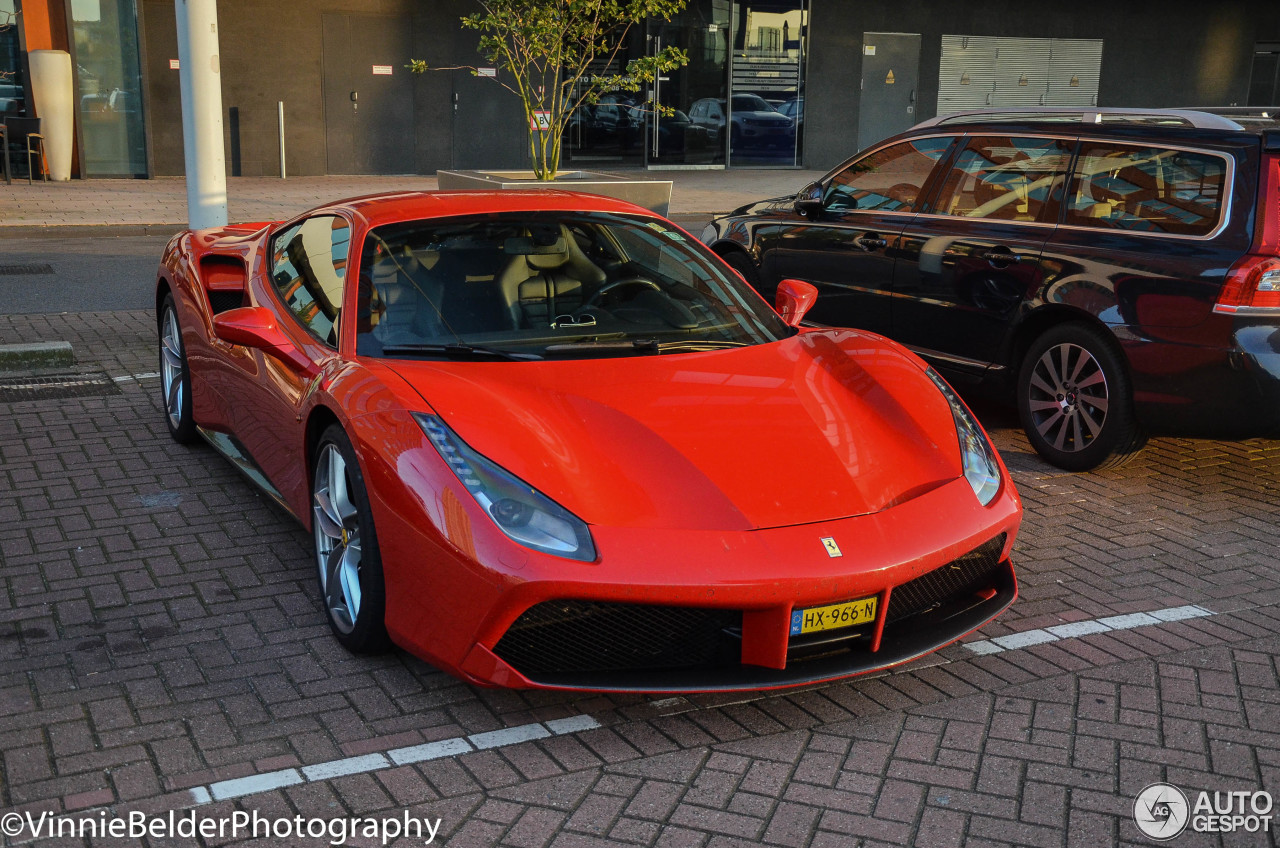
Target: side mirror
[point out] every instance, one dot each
(808, 201)
(794, 299)
(255, 327)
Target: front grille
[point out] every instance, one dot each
(979, 569)
(575, 636)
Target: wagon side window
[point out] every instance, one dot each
(1004, 178)
(889, 180)
(308, 268)
(1147, 190)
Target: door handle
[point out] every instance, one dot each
(870, 242)
(1001, 257)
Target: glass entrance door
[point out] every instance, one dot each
(692, 130)
(110, 81)
(766, 110)
(738, 101)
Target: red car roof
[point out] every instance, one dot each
(378, 209)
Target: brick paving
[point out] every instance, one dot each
(160, 632)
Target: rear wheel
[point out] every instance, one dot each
(175, 376)
(347, 560)
(1075, 400)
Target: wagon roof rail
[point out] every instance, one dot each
(1195, 118)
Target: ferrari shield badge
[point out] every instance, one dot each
(833, 550)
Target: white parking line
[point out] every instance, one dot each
(1076, 629)
(253, 784)
(150, 375)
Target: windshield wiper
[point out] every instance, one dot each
(700, 344)
(617, 347)
(642, 346)
(457, 351)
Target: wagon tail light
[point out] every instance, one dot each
(527, 516)
(1253, 283)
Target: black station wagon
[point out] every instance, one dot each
(1118, 270)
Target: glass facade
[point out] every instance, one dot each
(12, 95)
(105, 34)
(738, 101)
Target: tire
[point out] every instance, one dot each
(1075, 400)
(741, 262)
(175, 376)
(348, 565)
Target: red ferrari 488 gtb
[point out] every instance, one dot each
(546, 439)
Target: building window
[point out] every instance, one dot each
(110, 87)
(12, 92)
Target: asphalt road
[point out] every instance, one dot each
(42, 275)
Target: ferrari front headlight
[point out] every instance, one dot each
(978, 456)
(527, 516)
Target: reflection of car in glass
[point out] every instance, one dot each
(1114, 270)
(606, 123)
(794, 109)
(12, 97)
(116, 101)
(754, 123)
(675, 131)
(547, 439)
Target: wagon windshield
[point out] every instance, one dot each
(550, 285)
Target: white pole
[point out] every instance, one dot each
(201, 83)
(280, 116)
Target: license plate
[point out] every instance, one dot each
(834, 616)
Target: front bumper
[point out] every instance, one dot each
(683, 611)
(627, 647)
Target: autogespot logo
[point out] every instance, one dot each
(1161, 811)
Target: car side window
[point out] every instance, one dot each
(1007, 178)
(1147, 189)
(890, 180)
(308, 268)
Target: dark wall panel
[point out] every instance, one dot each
(1155, 52)
(273, 52)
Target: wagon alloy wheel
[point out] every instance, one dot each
(175, 376)
(1069, 397)
(1075, 400)
(347, 560)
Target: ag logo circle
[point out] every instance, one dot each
(1161, 811)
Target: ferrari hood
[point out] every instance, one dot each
(820, 426)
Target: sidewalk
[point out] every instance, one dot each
(142, 207)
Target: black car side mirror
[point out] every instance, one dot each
(808, 201)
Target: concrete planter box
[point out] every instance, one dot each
(651, 194)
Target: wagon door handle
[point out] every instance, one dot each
(870, 242)
(1001, 257)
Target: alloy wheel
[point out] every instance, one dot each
(172, 377)
(1068, 397)
(338, 543)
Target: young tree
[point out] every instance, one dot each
(550, 50)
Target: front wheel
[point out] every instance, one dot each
(347, 560)
(1075, 400)
(175, 376)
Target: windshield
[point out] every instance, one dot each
(751, 103)
(549, 285)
